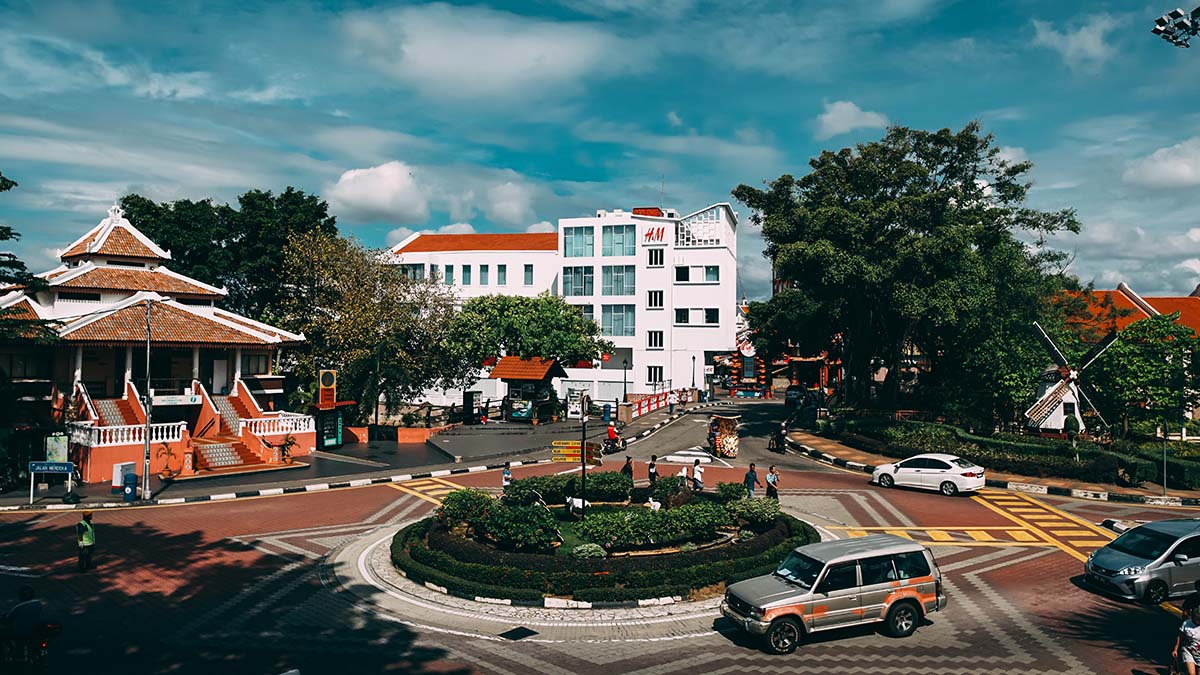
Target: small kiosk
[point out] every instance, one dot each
(530, 388)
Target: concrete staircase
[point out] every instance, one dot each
(218, 454)
(229, 414)
(114, 412)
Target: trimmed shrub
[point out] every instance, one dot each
(608, 486)
(588, 551)
(467, 506)
(642, 528)
(554, 490)
(728, 492)
(756, 513)
(667, 486)
(687, 548)
(521, 528)
(743, 535)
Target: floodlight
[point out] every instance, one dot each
(1175, 14)
(1196, 14)
(1157, 30)
(1163, 20)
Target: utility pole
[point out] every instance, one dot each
(587, 404)
(149, 404)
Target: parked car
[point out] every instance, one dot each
(1152, 562)
(947, 474)
(832, 584)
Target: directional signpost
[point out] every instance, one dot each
(568, 451)
(49, 467)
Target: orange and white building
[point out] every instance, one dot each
(213, 389)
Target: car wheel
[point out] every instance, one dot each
(902, 619)
(949, 488)
(886, 480)
(1156, 593)
(783, 636)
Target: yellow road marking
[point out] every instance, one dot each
(856, 533)
(980, 535)
(1042, 515)
(959, 528)
(414, 493)
(1085, 543)
(1025, 524)
(1028, 510)
(1071, 533)
(900, 533)
(447, 483)
(939, 535)
(1091, 526)
(1022, 535)
(988, 544)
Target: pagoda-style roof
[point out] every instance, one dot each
(117, 237)
(170, 323)
(517, 368)
(160, 279)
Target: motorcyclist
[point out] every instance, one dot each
(778, 439)
(613, 439)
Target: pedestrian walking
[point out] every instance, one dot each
(1187, 643)
(1192, 601)
(697, 477)
(85, 535)
(750, 479)
(672, 401)
(652, 470)
(772, 483)
(627, 470)
(506, 476)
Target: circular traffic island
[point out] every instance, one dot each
(533, 546)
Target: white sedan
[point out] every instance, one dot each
(932, 471)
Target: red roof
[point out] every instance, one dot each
(523, 241)
(516, 368)
(169, 324)
(1187, 306)
(126, 279)
(1105, 306)
(118, 242)
(648, 211)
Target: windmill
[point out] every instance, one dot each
(1061, 387)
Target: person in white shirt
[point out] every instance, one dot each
(697, 477)
(1187, 643)
(672, 401)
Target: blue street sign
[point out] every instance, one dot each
(51, 467)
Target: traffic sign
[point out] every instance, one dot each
(565, 444)
(592, 461)
(174, 399)
(51, 467)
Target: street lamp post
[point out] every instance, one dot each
(1178, 27)
(624, 380)
(1164, 457)
(149, 404)
(693, 371)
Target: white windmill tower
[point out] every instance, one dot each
(1062, 390)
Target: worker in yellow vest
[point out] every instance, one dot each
(85, 533)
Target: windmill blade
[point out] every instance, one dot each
(1050, 346)
(1081, 388)
(1098, 350)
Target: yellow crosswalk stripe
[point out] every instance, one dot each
(1071, 533)
(856, 533)
(414, 493)
(1042, 515)
(900, 533)
(1022, 535)
(1097, 543)
(939, 535)
(1027, 510)
(980, 535)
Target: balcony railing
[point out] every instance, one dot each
(84, 433)
(276, 426)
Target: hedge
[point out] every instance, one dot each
(608, 486)
(470, 568)
(554, 489)
(631, 529)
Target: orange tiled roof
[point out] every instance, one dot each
(22, 311)
(117, 278)
(516, 368)
(269, 330)
(1188, 307)
(119, 242)
(522, 241)
(1101, 304)
(169, 324)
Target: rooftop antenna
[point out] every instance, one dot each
(662, 190)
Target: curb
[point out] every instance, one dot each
(296, 489)
(1015, 486)
(647, 433)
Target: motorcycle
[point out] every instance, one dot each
(613, 446)
(778, 440)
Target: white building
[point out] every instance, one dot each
(662, 287)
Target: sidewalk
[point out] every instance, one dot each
(833, 452)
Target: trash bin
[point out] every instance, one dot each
(129, 487)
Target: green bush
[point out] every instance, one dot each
(467, 506)
(521, 528)
(588, 551)
(757, 513)
(554, 489)
(743, 535)
(642, 528)
(608, 486)
(667, 486)
(687, 548)
(728, 492)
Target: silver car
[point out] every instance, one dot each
(839, 583)
(1152, 562)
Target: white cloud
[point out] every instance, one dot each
(387, 192)
(510, 203)
(1175, 166)
(842, 117)
(272, 93)
(1084, 48)
(1012, 154)
(468, 53)
(544, 226)
(366, 144)
(751, 151)
(401, 233)
(674, 119)
(462, 205)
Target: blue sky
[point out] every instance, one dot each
(508, 116)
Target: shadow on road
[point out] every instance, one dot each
(1136, 630)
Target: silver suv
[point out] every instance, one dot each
(839, 583)
(1151, 562)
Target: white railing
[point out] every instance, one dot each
(93, 436)
(276, 426)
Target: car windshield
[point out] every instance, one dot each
(1143, 542)
(964, 463)
(800, 569)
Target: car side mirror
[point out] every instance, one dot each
(1179, 558)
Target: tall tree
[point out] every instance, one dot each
(384, 332)
(908, 243)
(16, 325)
(545, 327)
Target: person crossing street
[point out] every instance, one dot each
(85, 535)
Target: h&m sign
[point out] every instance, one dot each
(654, 235)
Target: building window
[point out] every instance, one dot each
(681, 316)
(654, 339)
(616, 320)
(466, 281)
(78, 296)
(24, 366)
(256, 364)
(712, 316)
(483, 275)
(433, 273)
(701, 229)
(654, 299)
(588, 312)
(654, 374)
(502, 275)
(579, 242)
(619, 280)
(683, 274)
(619, 240)
(712, 273)
(448, 274)
(578, 281)
(529, 275)
(415, 272)
(656, 257)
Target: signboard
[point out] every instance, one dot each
(606, 357)
(592, 448)
(521, 409)
(56, 448)
(51, 467)
(654, 235)
(574, 459)
(176, 400)
(709, 370)
(327, 381)
(565, 444)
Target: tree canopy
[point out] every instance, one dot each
(14, 273)
(545, 326)
(909, 244)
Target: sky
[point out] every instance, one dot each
(507, 116)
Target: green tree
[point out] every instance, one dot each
(545, 326)
(908, 244)
(16, 326)
(383, 332)
(1150, 374)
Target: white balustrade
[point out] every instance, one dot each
(278, 426)
(93, 436)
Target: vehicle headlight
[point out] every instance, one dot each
(1131, 570)
(1091, 555)
(756, 612)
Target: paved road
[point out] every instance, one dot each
(237, 587)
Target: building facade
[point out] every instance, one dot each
(661, 286)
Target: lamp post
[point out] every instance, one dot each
(1178, 27)
(693, 371)
(1164, 457)
(149, 404)
(624, 380)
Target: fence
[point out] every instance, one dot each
(85, 434)
(269, 426)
